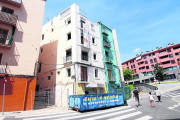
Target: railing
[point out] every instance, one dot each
(85, 78)
(67, 59)
(108, 60)
(5, 40)
(84, 57)
(106, 44)
(8, 18)
(104, 32)
(3, 67)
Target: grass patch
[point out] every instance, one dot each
(131, 87)
(165, 82)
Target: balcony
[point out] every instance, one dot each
(111, 79)
(67, 59)
(166, 59)
(106, 44)
(5, 41)
(16, 3)
(85, 59)
(7, 18)
(108, 60)
(85, 78)
(164, 54)
(104, 32)
(3, 67)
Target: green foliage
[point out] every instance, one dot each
(128, 74)
(131, 87)
(159, 72)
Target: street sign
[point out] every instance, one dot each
(155, 80)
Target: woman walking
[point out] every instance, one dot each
(151, 99)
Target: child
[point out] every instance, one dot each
(151, 99)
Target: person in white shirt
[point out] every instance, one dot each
(151, 99)
(158, 94)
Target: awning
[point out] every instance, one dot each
(94, 85)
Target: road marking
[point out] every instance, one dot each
(76, 113)
(144, 118)
(98, 113)
(110, 114)
(45, 114)
(126, 116)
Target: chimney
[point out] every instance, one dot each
(147, 51)
(157, 48)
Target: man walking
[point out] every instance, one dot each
(136, 95)
(158, 94)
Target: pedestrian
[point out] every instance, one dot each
(136, 95)
(158, 94)
(151, 99)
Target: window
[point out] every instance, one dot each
(52, 30)
(149, 55)
(151, 61)
(169, 50)
(96, 72)
(170, 56)
(164, 63)
(7, 10)
(147, 67)
(39, 69)
(162, 51)
(145, 74)
(82, 23)
(155, 60)
(146, 62)
(94, 56)
(82, 38)
(84, 56)
(178, 53)
(92, 26)
(172, 62)
(176, 48)
(152, 66)
(134, 70)
(131, 67)
(48, 78)
(133, 61)
(153, 55)
(68, 21)
(134, 66)
(41, 50)
(144, 57)
(3, 36)
(106, 53)
(149, 73)
(69, 36)
(93, 40)
(127, 67)
(0, 57)
(164, 57)
(127, 63)
(43, 37)
(68, 72)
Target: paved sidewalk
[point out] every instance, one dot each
(34, 112)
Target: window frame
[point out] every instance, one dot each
(48, 77)
(68, 36)
(67, 72)
(96, 73)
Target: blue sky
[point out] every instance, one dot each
(141, 25)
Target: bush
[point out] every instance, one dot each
(131, 87)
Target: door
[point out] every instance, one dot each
(110, 75)
(83, 73)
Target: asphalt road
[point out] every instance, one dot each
(167, 109)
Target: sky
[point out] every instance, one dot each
(141, 25)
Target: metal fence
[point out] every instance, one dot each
(43, 99)
(125, 91)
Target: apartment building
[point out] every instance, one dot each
(20, 33)
(70, 58)
(143, 64)
(112, 74)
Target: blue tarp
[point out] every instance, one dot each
(89, 102)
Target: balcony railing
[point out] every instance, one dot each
(3, 67)
(111, 78)
(106, 44)
(16, 3)
(85, 78)
(67, 59)
(5, 41)
(85, 59)
(108, 60)
(8, 18)
(104, 32)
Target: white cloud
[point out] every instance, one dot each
(137, 50)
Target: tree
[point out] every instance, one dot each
(159, 72)
(128, 74)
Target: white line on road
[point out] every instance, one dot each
(145, 118)
(110, 114)
(126, 116)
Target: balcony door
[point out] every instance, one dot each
(3, 35)
(83, 73)
(84, 56)
(110, 75)
(68, 55)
